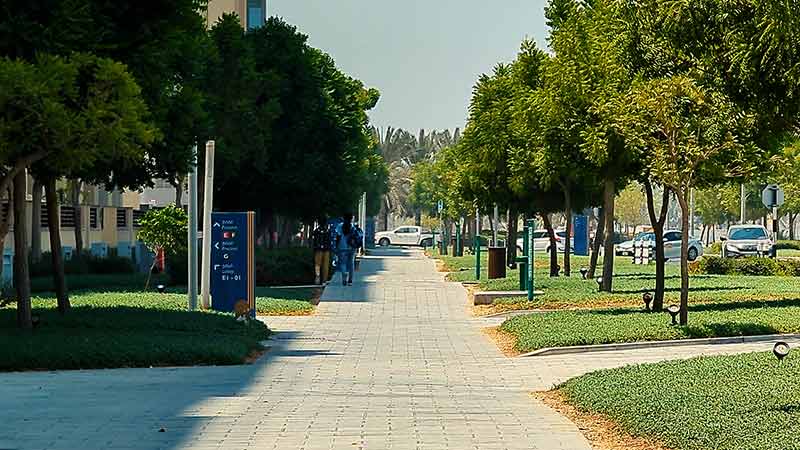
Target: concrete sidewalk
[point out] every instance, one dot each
(392, 362)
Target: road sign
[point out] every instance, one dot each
(440, 206)
(233, 262)
(772, 196)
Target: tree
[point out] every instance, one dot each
(589, 61)
(163, 231)
(107, 125)
(786, 176)
(693, 137)
(631, 206)
(33, 118)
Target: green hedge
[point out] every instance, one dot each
(787, 245)
(715, 265)
(284, 266)
(274, 267)
(84, 264)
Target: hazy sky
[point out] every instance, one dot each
(423, 55)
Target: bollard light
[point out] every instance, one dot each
(584, 272)
(161, 288)
(781, 350)
(599, 281)
(35, 320)
(647, 298)
(674, 310)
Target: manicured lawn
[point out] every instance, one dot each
(604, 326)
(125, 329)
(284, 302)
(742, 402)
(630, 282)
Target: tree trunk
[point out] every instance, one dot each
(657, 222)
(608, 245)
(179, 192)
(54, 226)
(22, 281)
(418, 217)
(567, 239)
(76, 203)
(683, 202)
(548, 225)
(792, 218)
(511, 238)
(598, 239)
(36, 221)
(5, 226)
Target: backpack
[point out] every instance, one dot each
(354, 239)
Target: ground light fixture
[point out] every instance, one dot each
(781, 350)
(161, 288)
(647, 298)
(584, 272)
(599, 281)
(673, 311)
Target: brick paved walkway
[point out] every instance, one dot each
(393, 362)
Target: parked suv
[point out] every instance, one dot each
(405, 235)
(747, 240)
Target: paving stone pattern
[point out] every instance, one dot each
(392, 362)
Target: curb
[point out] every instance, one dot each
(657, 344)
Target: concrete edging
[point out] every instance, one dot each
(657, 344)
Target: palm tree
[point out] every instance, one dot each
(401, 150)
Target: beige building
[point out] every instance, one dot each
(252, 13)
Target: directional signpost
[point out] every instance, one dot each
(233, 262)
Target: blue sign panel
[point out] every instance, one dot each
(232, 263)
(581, 231)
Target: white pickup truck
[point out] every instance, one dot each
(405, 235)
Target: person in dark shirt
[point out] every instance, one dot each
(322, 253)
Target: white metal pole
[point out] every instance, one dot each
(208, 202)
(742, 210)
(192, 278)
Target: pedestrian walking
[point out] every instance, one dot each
(346, 243)
(322, 252)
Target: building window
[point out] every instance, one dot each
(256, 13)
(95, 218)
(137, 214)
(122, 218)
(68, 216)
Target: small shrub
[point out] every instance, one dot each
(84, 264)
(716, 248)
(284, 266)
(787, 245)
(715, 265)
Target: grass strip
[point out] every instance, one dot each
(741, 402)
(607, 326)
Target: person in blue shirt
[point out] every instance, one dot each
(347, 240)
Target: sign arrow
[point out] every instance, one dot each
(216, 224)
(216, 245)
(216, 266)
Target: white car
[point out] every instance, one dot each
(405, 235)
(672, 245)
(541, 241)
(747, 240)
